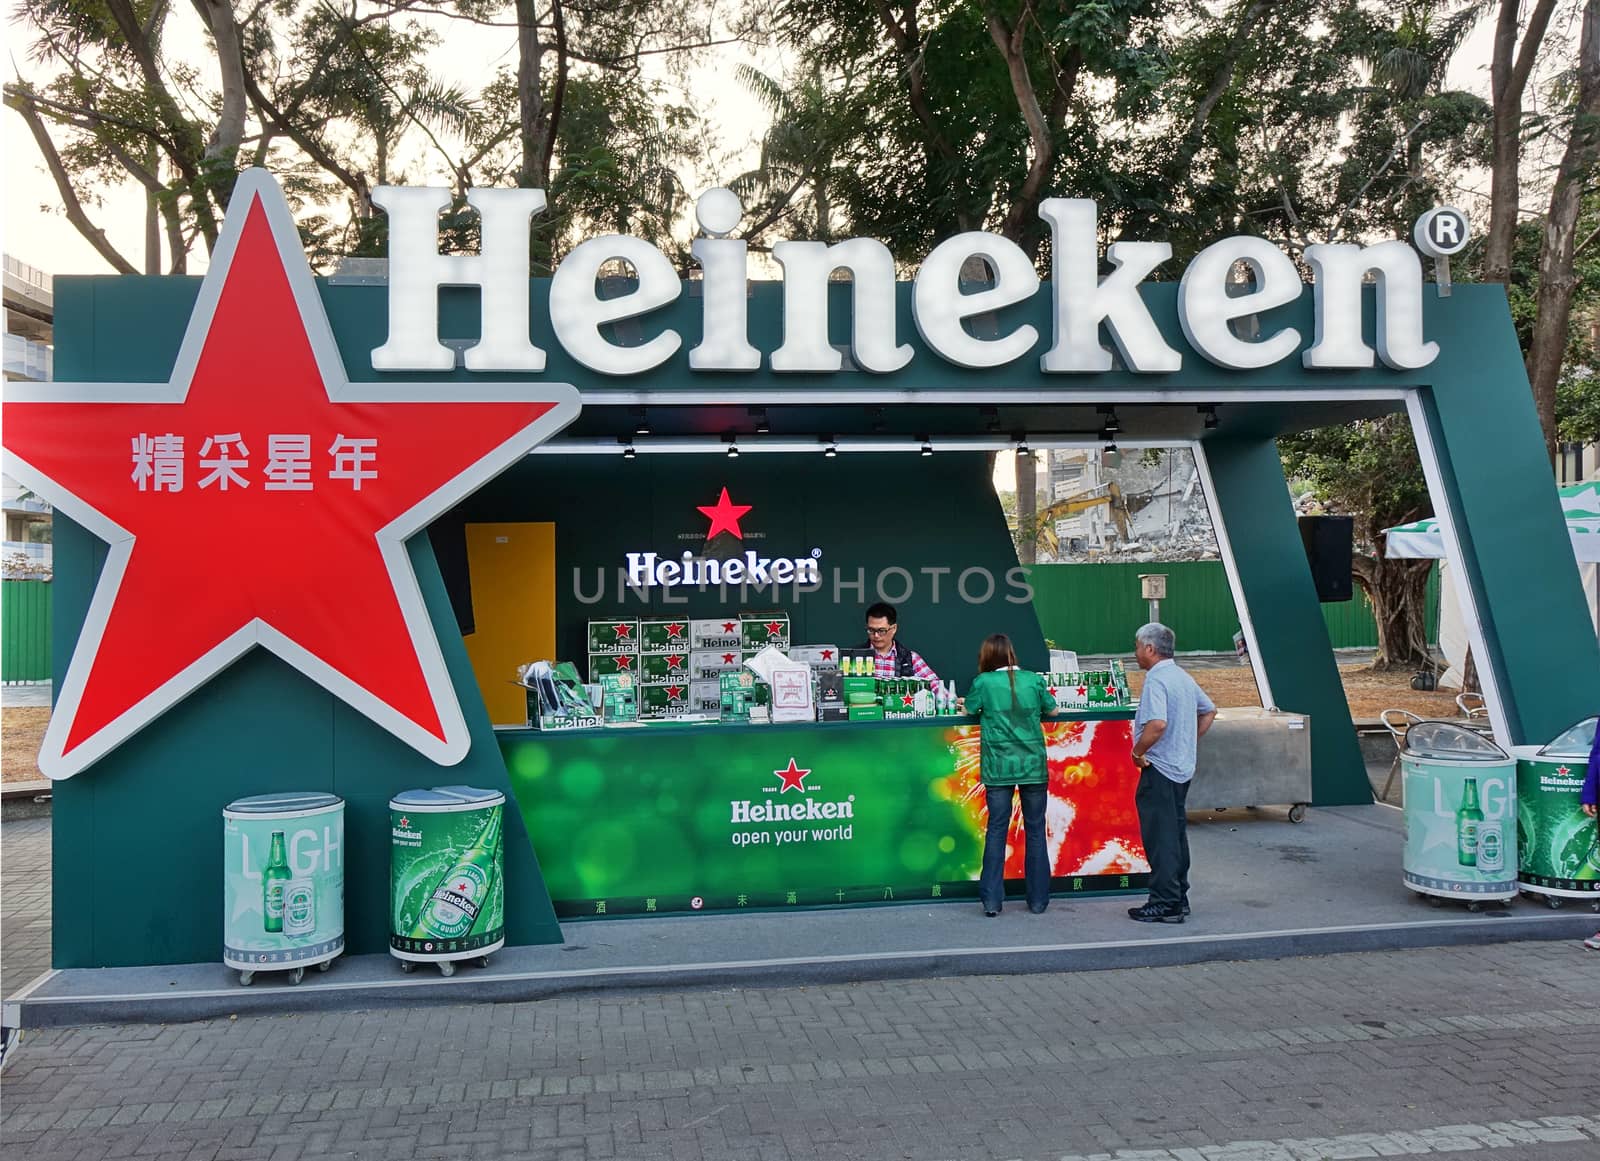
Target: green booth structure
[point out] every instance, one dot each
(870, 481)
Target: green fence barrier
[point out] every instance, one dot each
(24, 630)
(1095, 608)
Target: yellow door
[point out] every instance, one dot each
(513, 570)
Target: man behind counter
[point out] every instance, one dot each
(890, 659)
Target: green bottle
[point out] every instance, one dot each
(273, 880)
(1468, 820)
(457, 898)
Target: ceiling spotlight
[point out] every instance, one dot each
(733, 451)
(628, 452)
(1108, 433)
(641, 422)
(759, 414)
(1210, 412)
(831, 449)
(1022, 446)
(927, 449)
(1111, 423)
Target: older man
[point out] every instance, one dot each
(1174, 713)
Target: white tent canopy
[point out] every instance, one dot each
(1422, 539)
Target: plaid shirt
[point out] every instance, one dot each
(883, 666)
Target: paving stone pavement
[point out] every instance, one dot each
(1484, 1050)
(24, 902)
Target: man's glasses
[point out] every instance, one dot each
(885, 631)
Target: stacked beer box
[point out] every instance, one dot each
(679, 662)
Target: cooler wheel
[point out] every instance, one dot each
(408, 966)
(246, 979)
(1474, 906)
(1595, 906)
(297, 975)
(1297, 812)
(324, 965)
(1553, 902)
(447, 968)
(483, 961)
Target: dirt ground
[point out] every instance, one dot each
(21, 730)
(1367, 693)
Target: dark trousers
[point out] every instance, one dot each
(1165, 830)
(1035, 858)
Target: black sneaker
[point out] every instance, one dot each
(1156, 913)
(1184, 906)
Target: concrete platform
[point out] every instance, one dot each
(1263, 888)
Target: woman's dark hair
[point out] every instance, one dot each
(996, 653)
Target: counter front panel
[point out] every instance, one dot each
(653, 820)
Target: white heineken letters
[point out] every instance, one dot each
(1085, 307)
(647, 568)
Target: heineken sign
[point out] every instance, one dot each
(1210, 299)
(647, 569)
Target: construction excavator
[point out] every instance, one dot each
(1122, 508)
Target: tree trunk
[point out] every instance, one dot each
(530, 97)
(1027, 510)
(1553, 303)
(1508, 78)
(1398, 591)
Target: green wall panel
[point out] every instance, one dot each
(24, 630)
(1095, 608)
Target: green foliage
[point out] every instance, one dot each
(1367, 469)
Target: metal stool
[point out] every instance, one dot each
(1397, 722)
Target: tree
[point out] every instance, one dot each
(1509, 72)
(1369, 471)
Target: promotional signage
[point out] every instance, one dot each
(1461, 837)
(447, 891)
(258, 443)
(1558, 844)
(1082, 300)
(802, 816)
(647, 569)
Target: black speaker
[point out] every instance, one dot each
(1329, 544)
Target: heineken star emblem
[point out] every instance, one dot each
(259, 394)
(728, 659)
(774, 628)
(724, 516)
(1563, 771)
(674, 630)
(623, 628)
(826, 654)
(793, 777)
(729, 626)
(405, 823)
(675, 693)
(624, 661)
(674, 661)
(908, 699)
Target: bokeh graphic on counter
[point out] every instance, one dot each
(806, 817)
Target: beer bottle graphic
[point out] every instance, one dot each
(1469, 819)
(273, 879)
(453, 907)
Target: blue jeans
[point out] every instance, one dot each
(1035, 859)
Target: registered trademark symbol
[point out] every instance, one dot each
(815, 553)
(1442, 231)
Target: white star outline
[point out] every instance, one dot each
(257, 185)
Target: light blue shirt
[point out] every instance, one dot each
(1170, 695)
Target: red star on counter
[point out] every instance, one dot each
(624, 628)
(728, 659)
(674, 661)
(826, 654)
(201, 565)
(774, 628)
(674, 693)
(1083, 691)
(793, 777)
(624, 662)
(908, 700)
(730, 626)
(674, 630)
(724, 516)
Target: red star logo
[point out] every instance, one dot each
(674, 693)
(674, 630)
(624, 628)
(729, 626)
(405, 823)
(793, 777)
(774, 628)
(826, 654)
(724, 516)
(1563, 771)
(674, 661)
(197, 573)
(1083, 691)
(624, 661)
(729, 658)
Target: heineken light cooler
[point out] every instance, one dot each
(447, 893)
(283, 883)
(1558, 846)
(1461, 815)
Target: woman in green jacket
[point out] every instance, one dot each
(1009, 703)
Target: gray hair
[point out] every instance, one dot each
(1158, 637)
